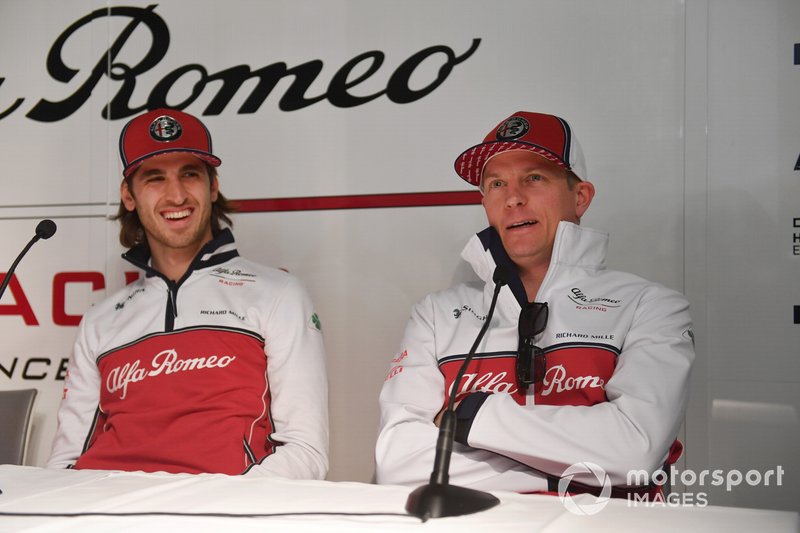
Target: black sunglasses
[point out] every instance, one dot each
(531, 360)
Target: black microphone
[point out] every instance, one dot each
(438, 498)
(44, 230)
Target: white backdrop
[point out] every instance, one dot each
(742, 270)
(625, 74)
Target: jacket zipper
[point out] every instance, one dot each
(171, 312)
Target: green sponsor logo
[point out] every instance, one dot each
(315, 322)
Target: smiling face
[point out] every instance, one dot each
(525, 197)
(172, 194)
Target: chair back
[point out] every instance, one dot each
(16, 408)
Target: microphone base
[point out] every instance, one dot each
(437, 501)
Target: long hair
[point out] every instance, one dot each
(131, 232)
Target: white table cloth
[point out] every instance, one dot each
(135, 501)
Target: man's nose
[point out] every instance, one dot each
(175, 192)
(514, 196)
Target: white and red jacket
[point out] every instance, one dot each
(619, 350)
(222, 371)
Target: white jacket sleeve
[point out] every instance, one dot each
(412, 395)
(633, 430)
(298, 387)
(79, 404)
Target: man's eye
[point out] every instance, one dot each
(495, 184)
(534, 177)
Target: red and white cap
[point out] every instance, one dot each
(162, 131)
(546, 135)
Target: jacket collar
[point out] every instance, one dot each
(574, 246)
(218, 250)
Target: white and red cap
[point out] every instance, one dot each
(546, 135)
(162, 131)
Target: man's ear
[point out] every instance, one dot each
(214, 189)
(126, 196)
(583, 197)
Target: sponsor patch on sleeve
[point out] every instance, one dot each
(314, 322)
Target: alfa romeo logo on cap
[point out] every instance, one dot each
(165, 129)
(513, 128)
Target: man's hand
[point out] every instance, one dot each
(437, 420)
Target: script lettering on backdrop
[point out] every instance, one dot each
(368, 63)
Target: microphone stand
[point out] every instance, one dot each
(438, 498)
(44, 230)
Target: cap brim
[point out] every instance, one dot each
(211, 159)
(469, 165)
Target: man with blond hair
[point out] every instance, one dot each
(580, 364)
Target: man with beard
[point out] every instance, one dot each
(208, 363)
